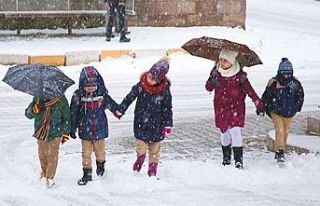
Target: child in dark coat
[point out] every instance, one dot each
(88, 107)
(152, 114)
(283, 98)
(231, 87)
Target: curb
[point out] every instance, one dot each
(293, 145)
(84, 57)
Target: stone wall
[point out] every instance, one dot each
(189, 13)
(145, 13)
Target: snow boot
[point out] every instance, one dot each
(123, 38)
(139, 162)
(226, 151)
(279, 156)
(50, 182)
(87, 176)
(100, 168)
(152, 171)
(238, 153)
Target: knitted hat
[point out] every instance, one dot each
(90, 76)
(228, 55)
(160, 69)
(285, 67)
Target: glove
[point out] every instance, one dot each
(260, 113)
(167, 131)
(214, 77)
(64, 138)
(73, 135)
(36, 108)
(117, 114)
(260, 107)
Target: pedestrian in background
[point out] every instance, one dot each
(52, 126)
(152, 114)
(88, 106)
(116, 6)
(283, 98)
(231, 86)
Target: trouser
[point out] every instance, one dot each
(154, 150)
(232, 137)
(98, 147)
(282, 126)
(116, 6)
(48, 152)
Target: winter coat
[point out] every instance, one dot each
(286, 100)
(153, 111)
(229, 99)
(60, 117)
(88, 112)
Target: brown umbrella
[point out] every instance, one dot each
(209, 48)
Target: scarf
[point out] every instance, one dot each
(152, 89)
(233, 70)
(43, 132)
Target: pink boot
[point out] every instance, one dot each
(152, 171)
(139, 162)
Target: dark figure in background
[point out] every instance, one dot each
(116, 6)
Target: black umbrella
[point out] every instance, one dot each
(209, 48)
(38, 80)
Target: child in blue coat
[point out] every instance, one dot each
(88, 107)
(152, 114)
(283, 98)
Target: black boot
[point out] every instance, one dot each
(279, 156)
(238, 153)
(87, 176)
(226, 151)
(100, 168)
(123, 38)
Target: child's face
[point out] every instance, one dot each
(224, 64)
(150, 79)
(90, 90)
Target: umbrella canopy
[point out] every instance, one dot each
(209, 48)
(38, 80)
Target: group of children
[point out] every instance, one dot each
(86, 118)
(55, 121)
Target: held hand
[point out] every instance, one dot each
(64, 138)
(260, 108)
(167, 131)
(73, 135)
(36, 108)
(260, 113)
(117, 114)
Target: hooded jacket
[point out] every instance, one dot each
(88, 111)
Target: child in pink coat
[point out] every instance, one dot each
(231, 86)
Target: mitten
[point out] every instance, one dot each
(260, 113)
(64, 138)
(36, 108)
(117, 114)
(73, 135)
(167, 130)
(214, 77)
(260, 108)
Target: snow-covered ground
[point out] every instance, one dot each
(275, 28)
